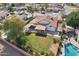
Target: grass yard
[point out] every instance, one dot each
(39, 43)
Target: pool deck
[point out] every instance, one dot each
(72, 41)
(63, 50)
(54, 48)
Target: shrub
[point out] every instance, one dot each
(47, 53)
(22, 40)
(1, 26)
(55, 40)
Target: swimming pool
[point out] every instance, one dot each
(71, 50)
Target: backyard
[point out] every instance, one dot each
(39, 43)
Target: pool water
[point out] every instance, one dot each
(71, 50)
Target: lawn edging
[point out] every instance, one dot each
(15, 47)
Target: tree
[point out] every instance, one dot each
(32, 10)
(46, 5)
(22, 40)
(19, 4)
(3, 4)
(70, 4)
(1, 26)
(14, 25)
(10, 9)
(73, 19)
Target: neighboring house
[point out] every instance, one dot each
(3, 14)
(77, 32)
(37, 14)
(19, 8)
(24, 16)
(36, 5)
(76, 4)
(70, 31)
(43, 25)
(53, 9)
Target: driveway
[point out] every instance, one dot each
(10, 51)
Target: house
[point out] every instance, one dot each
(3, 14)
(19, 8)
(23, 16)
(76, 4)
(77, 32)
(43, 24)
(69, 31)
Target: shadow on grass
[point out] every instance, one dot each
(27, 33)
(37, 34)
(43, 35)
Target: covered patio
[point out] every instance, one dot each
(40, 29)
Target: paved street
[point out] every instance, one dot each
(9, 51)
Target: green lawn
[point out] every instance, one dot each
(39, 43)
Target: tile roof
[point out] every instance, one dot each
(2, 13)
(39, 18)
(40, 27)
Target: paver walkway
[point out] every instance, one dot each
(54, 48)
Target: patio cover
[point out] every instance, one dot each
(40, 27)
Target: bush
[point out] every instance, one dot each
(55, 40)
(34, 53)
(42, 53)
(0, 34)
(73, 19)
(22, 40)
(48, 53)
(1, 26)
(51, 53)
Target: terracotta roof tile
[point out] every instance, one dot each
(39, 18)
